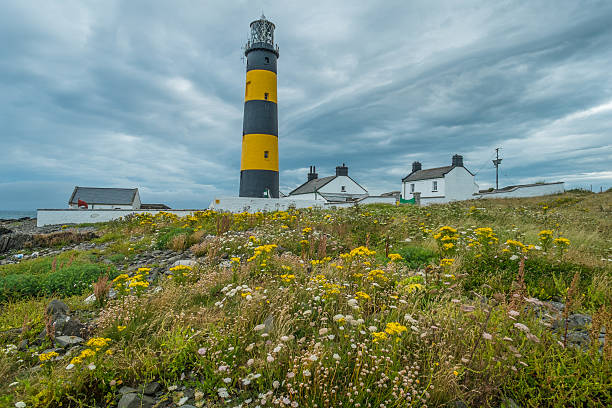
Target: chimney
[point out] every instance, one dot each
(312, 175)
(341, 170)
(458, 160)
(416, 166)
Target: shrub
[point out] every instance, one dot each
(167, 234)
(417, 257)
(71, 280)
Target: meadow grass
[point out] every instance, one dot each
(367, 306)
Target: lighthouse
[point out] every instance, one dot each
(259, 160)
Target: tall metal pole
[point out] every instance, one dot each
(497, 169)
(496, 164)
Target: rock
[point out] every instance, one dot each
(68, 326)
(575, 321)
(269, 324)
(127, 390)
(182, 401)
(133, 400)
(23, 345)
(5, 231)
(509, 403)
(186, 262)
(152, 388)
(57, 307)
(458, 404)
(66, 341)
(90, 299)
(579, 338)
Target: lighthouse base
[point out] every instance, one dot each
(259, 183)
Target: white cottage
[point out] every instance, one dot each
(440, 184)
(105, 198)
(338, 188)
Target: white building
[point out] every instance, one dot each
(106, 198)
(338, 188)
(440, 184)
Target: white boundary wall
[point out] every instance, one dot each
(527, 191)
(249, 204)
(77, 216)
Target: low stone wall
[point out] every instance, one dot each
(83, 216)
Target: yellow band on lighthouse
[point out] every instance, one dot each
(259, 152)
(260, 85)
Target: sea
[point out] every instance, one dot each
(13, 215)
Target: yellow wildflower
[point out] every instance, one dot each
(395, 257)
(47, 356)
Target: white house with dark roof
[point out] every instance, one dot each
(106, 198)
(440, 184)
(340, 188)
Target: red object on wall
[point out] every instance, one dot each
(82, 204)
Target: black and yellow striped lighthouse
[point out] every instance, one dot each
(259, 161)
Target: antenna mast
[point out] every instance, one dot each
(496, 163)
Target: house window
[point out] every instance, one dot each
(434, 186)
(412, 188)
(343, 189)
(265, 154)
(266, 96)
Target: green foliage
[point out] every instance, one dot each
(571, 378)
(70, 280)
(47, 264)
(417, 257)
(544, 277)
(166, 235)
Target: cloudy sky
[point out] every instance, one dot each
(149, 94)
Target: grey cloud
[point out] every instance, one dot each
(150, 94)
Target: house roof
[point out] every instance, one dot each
(312, 185)
(154, 207)
(426, 174)
(437, 172)
(96, 195)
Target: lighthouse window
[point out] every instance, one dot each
(265, 154)
(343, 189)
(266, 96)
(267, 60)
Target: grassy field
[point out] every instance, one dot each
(374, 306)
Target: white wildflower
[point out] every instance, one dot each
(223, 393)
(259, 327)
(522, 327)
